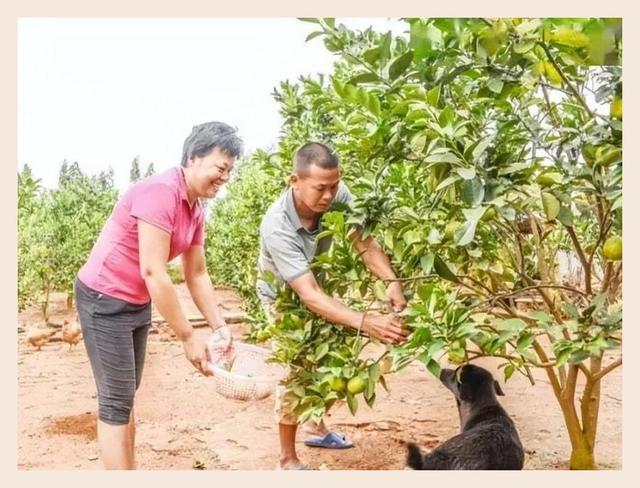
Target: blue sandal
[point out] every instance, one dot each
(332, 440)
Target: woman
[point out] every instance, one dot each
(156, 220)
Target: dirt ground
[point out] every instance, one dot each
(183, 423)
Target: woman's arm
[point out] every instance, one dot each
(154, 253)
(200, 287)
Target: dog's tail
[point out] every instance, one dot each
(415, 458)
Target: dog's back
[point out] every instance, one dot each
(488, 441)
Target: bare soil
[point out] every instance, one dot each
(182, 423)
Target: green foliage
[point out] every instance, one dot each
(232, 241)
(488, 124)
(57, 229)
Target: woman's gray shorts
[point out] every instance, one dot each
(115, 336)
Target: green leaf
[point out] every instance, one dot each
(367, 77)
(522, 47)
(565, 216)
(330, 21)
(389, 239)
(551, 205)
(362, 96)
(472, 191)
(313, 35)
(465, 234)
(434, 236)
(446, 182)
(380, 291)
(443, 270)
(352, 402)
(385, 47)
(508, 371)
(424, 291)
(433, 96)
(370, 390)
(495, 85)
(374, 372)
(562, 357)
(371, 55)
(321, 351)
(466, 173)
(435, 347)
(312, 20)
(418, 142)
(525, 341)
(447, 157)
(570, 309)
(434, 368)
(400, 65)
(374, 105)
(514, 324)
(383, 382)
(338, 87)
(412, 237)
(426, 262)
(481, 148)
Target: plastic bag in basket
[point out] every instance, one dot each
(221, 348)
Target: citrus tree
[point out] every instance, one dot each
(57, 229)
(35, 267)
(480, 150)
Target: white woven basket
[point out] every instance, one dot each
(250, 377)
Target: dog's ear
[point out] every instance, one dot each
(497, 387)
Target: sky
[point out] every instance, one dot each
(103, 91)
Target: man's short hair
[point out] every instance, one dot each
(314, 153)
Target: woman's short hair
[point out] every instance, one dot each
(205, 137)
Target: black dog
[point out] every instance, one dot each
(488, 437)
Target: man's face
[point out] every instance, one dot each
(211, 172)
(316, 188)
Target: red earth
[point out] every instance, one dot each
(184, 424)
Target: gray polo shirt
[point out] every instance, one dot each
(286, 246)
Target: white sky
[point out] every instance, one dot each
(102, 91)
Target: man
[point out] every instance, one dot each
(288, 243)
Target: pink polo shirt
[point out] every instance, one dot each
(113, 268)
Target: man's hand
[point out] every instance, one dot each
(386, 328)
(396, 296)
(195, 350)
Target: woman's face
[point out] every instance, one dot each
(209, 173)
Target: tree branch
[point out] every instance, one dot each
(604, 371)
(572, 88)
(581, 256)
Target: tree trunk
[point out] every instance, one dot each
(582, 455)
(44, 306)
(581, 430)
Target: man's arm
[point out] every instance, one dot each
(378, 263)
(200, 286)
(385, 328)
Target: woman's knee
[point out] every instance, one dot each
(114, 412)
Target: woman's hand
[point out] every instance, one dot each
(195, 349)
(220, 346)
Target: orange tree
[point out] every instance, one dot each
(480, 151)
(57, 229)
